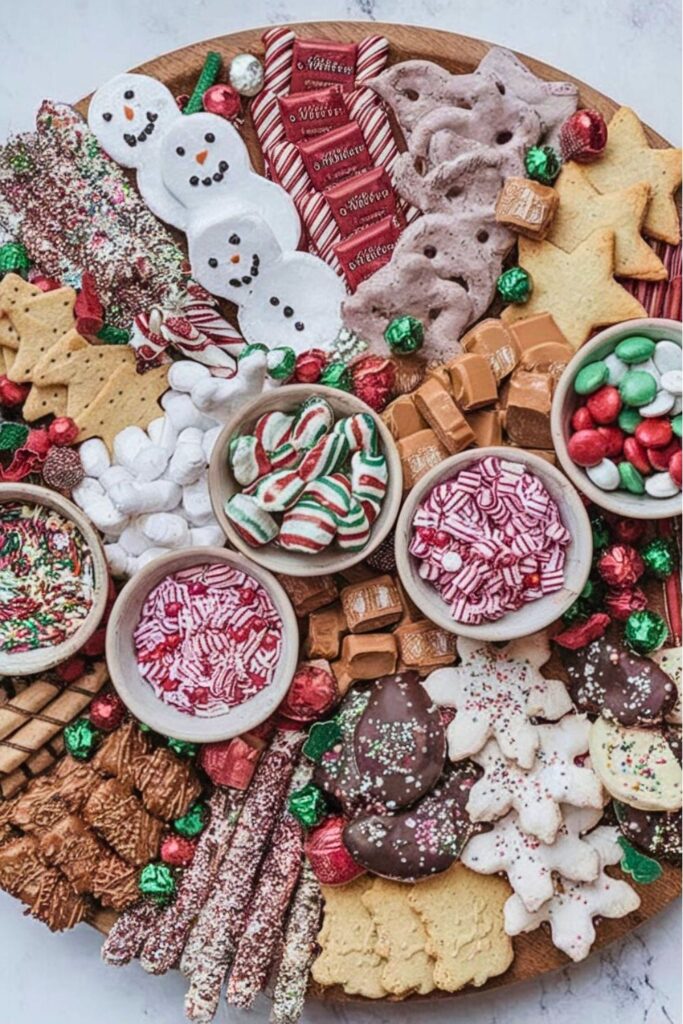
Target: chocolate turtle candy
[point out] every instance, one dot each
(656, 832)
(606, 679)
(421, 840)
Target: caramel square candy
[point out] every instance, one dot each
(486, 426)
(419, 453)
(422, 644)
(441, 375)
(402, 417)
(527, 207)
(343, 677)
(371, 605)
(370, 655)
(472, 381)
(308, 593)
(443, 416)
(325, 629)
(493, 340)
(527, 414)
(535, 330)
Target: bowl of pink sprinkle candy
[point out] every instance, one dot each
(202, 645)
(494, 544)
(53, 579)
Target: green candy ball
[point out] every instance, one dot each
(514, 285)
(600, 531)
(637, 387)
(307, 805)
(590, 378)
(80, 739)
(645, 632)
(659, 555)
(192, 823)
(13, 258)
(631, 480)
(336, 375)
(157, 883)
(635, 349)
(542, 164)
(629, 419)
(405, 335)
(677, 425)
(573, 614)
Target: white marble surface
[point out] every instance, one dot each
(628, 49)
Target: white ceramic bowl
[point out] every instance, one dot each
(530, 617)
(222, 484)
(566, 401)
(136, 692)
(28, 662)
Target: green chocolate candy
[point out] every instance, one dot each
(631, 480)
(676, 425)
(637, 387)
(635, 349)
(590, 378)
(515, 285)
(629, 420)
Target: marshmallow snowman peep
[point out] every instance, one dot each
(128, 116)
(204, 163)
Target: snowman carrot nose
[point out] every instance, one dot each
(235, 258)
(129, 112)
(201, 157)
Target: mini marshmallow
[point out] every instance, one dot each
(87, 489)
(132, 540)
(208, 441)
(166, 529)
(183, 411)
(134, 450)
(188, 459)
(94, 457)
(135, 497)
(120, 562)
(90, 497)
(220, 396)
(207, 537)
(185, 373)
(149, 555)
(115, 475)
(197, 503)
(162, 433)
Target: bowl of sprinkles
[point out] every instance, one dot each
(53, 579)
(493, 543)
(202, 645)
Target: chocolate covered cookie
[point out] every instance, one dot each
(337, 774)
(656, 832)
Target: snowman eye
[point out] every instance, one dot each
(298, 326)
(213, 262)
(288, 311)
(235, 282)
(194, 180)
(274, 301)
(180, 151)
(234, 239)
(209, 137)
(128, 94)
(106, 117)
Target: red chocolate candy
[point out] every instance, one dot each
(654, 433)
(586, 447)
(107, 712)
(229, 763)
(661, 457)
(307, 114)
(223, 100)
(621, 566)
(368, 250)
(331, 861)
(309, 366)
(373, 379)
(335, 156)
(628, 531)
(583, 632)
(63, 430)
(637, 455)
(582, 419)
(620, 603)
(318, 63)
(614, 438)
(12, 394)
(87, 307)
(313, 691)
(676, 468)
(604, 405)
(583, 136)
(178, 851)
(362, 200)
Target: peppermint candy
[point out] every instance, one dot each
(309, 528)
(314, 419)
(359, 430)
(248, 459)
(369, 476)
(285, 457)
(277, 491)
(253, 524)
(273, 429)
(326, 456)
(332, 492)
(353, 531)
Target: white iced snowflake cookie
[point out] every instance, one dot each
(528, 863)
(536, 794)
(637, 766)
(570, 911)
(128, 116)
(495, 691)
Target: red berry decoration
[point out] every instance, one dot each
(614, 439)
(621, 566)
(107, 712)
(178, 851)
(223, 100)
(12, 394)
(637, 455)
(583, 136)
(661, 457)
(586, 447)
(604, 405)
(582, 419)
(654, 433)
(583, 633)
(331, 861)
(63, 430)
(620, 603)
(309, 366)
(676, 468)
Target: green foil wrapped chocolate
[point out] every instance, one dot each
(336, 375)
(307, 805)
(281, 362)
(574, 613)
(111, 335)
(514, 285)
(659, 555)
(405, 335)
(13, 258)
(157, 883)
(643, 869)
(645, 631)
(600, 531)
(192, 823)
(80, 739)
(542, 164)
(249, 350)
(183, 748)
(322, 736)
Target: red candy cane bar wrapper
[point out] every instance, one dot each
(337, 155)
(279, 48)
(362, 200)
(318, 63)
(365, 252)
(307, 114)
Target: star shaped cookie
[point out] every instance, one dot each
(576, 288)
(583, 209)
(628, 158)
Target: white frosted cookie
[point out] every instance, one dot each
(637, 766)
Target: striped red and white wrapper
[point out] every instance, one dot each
(267, 120)
(371, 58)
(288, 169)
(279, 48)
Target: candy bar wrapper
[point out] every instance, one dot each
(305, 115)
(365, 252)
(318, 64)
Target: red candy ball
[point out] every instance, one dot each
(12, 394)
(621, 566)
(107, 711)
(676, 468)
(583, 136)
(63, 430)
(582, 419)
(178, 851)
(72, 669)
(313, 692)
(620, 603)
(614, 438)
(586, 447)
(604, 405)
(223, 100)
(331, 861)
(309, 366)
(637, 455)
(661, 457)
(628, 531)
(654, 433)
(229, 763)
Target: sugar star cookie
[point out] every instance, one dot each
(82, 369)
(628, 158)
(582, 209)
(637, 766)
(347, 941)
(576, 288)
(401, 939)
(127, 399)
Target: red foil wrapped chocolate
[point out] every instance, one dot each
(620, 603)
(88, 308)
(628, 531)
(365, 252)
(230, 763)
(307, 114)
(621, 566)
(12, 394)
(583, 136)
(178, 851)
(309, 366)
(373, 379)
(107, 712)
(223, 100)
(335, 156)
(362, 200)
(319, 63)
(583, 633)
(313, 691)
(331, 862)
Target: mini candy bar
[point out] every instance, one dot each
(552, 356)
(362, 200)
(403, 418)
(353, 531)
(527, 412)
(486, 426)
(319, 64)
(335, 156)
(419, 453)
(369, 656)
(441, 375)
(365, 252)
(534, 330)
(371, 605)
(309, 593)
(472, 381)
(423, 646)
(325, 629)
(252, 523)
(443, 416)
(527, 207)
(308, 528)
(307, 114)
(492, 339)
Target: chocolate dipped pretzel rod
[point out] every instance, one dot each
(298, 950)
(263, 928)
(166, 940)
(211, 945)
(128, 934)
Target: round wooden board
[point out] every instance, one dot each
(534, 953)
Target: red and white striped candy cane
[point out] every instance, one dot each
(321, 226)
(267, 120)
(279, 47)
(360, 100)
(371, 57)
(288, 169)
